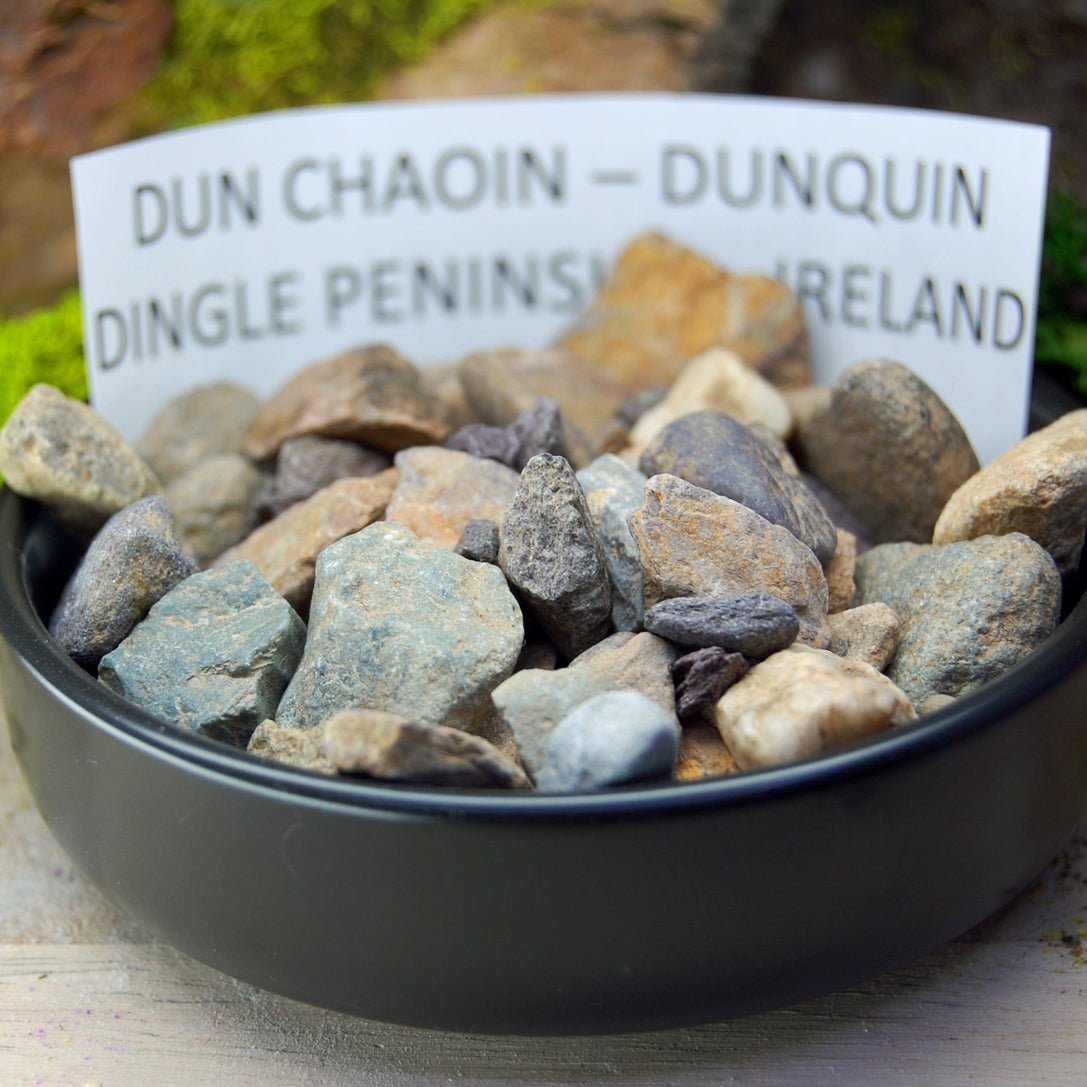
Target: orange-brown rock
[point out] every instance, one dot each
(703, 754)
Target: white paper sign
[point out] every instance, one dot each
(248, 248)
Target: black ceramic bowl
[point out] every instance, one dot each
(639, 908)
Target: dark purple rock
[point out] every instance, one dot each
(490, 442)
(479, 541)
(703, 676)
(755, 624)
(539, 430)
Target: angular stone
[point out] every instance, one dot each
(200, 423)
(391, 747)
(299, 747)
(717, 380)
(703, 676)
(441, 490)
(839, 572)
(755, 624)
(663, 304)
(213, 655)
(305, 466)
(539, 429)
(612, 739)
(442, 382)
(1038, 487)
(286, 549)
(969, 610)
(696, 543)
(214, 503)
(479, 541)
(370, 395)
(495, 731)
(492, 442)
(933, 703)
(550, 553)
(869, 633)
(63, 454)
(703, 754)
(135, 558)
(613, 491)
(399, 625)
(890, 449)
(640, 662)
(803, 701)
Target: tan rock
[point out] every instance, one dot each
(1038, 487)
(441, 490)
(703, 754)
(664, 304)
(443, 383)
(641, 662)
(371, 395)
(868, 633)
(839, 572)
(300, 747)
(802, 702)
(933, 703)
(285, 549)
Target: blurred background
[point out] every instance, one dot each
(80, 74)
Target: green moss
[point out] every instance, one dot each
(1061, 337)
(45, 346)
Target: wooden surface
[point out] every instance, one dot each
(86, 998)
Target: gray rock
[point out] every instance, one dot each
(399, 625)
(200, 423)
(718, 453)
(613, 491)
(135, 559)
(491, 442)
(213, 655)
(550, 553)
(539, 429)
(612, 739)
(479, 541)
(968, 610)
(755, 624)
(703, 676)
(61, 453)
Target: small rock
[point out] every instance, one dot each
(214, 503)
(755, 624)
(399, 625)
(969, 610)
(703, 754)
(441, 490)
(479, 541)
(539, 429)
(135, 559)
(551, 555)
(696, 543)
(299, 747)
(1038, 487)
(391, 747)
(613, 491)
(803, 701)
(495, 731)
(636, 405)
(65, 455)
(370, 395)
(213, 655)
(305, 466)
(703, 676)
(613, 739)
(933, 703)
(718, 381)
(720, 454)
(869, 633)
(538, 655)
(203, 422)
(839, 572)
(442, 383)
(490, 442)
(890, 449)
(285, 550)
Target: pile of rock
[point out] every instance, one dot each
(652, 551)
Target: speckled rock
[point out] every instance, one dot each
(612, 739)
(969, 610)
(200, 423)
(62, 453)
(869, 633)
(305, 466)
(135, 558)
(803, 701)
(697, 543)
(214, 503)
(441, 490)
(613, 491)
(213, 655)
(498, 443)
(703, 754)
(550, 553)
(890, 449)
(391, 747)
(703, 676)
(539, 429)
(370, 395)
(285, 549)
(717, 380)
(479, 541)
(720, 454)
(299, 747)
(397, 624)
(1038, 487)
(755, 624)
(839, 572)
(663, 304)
